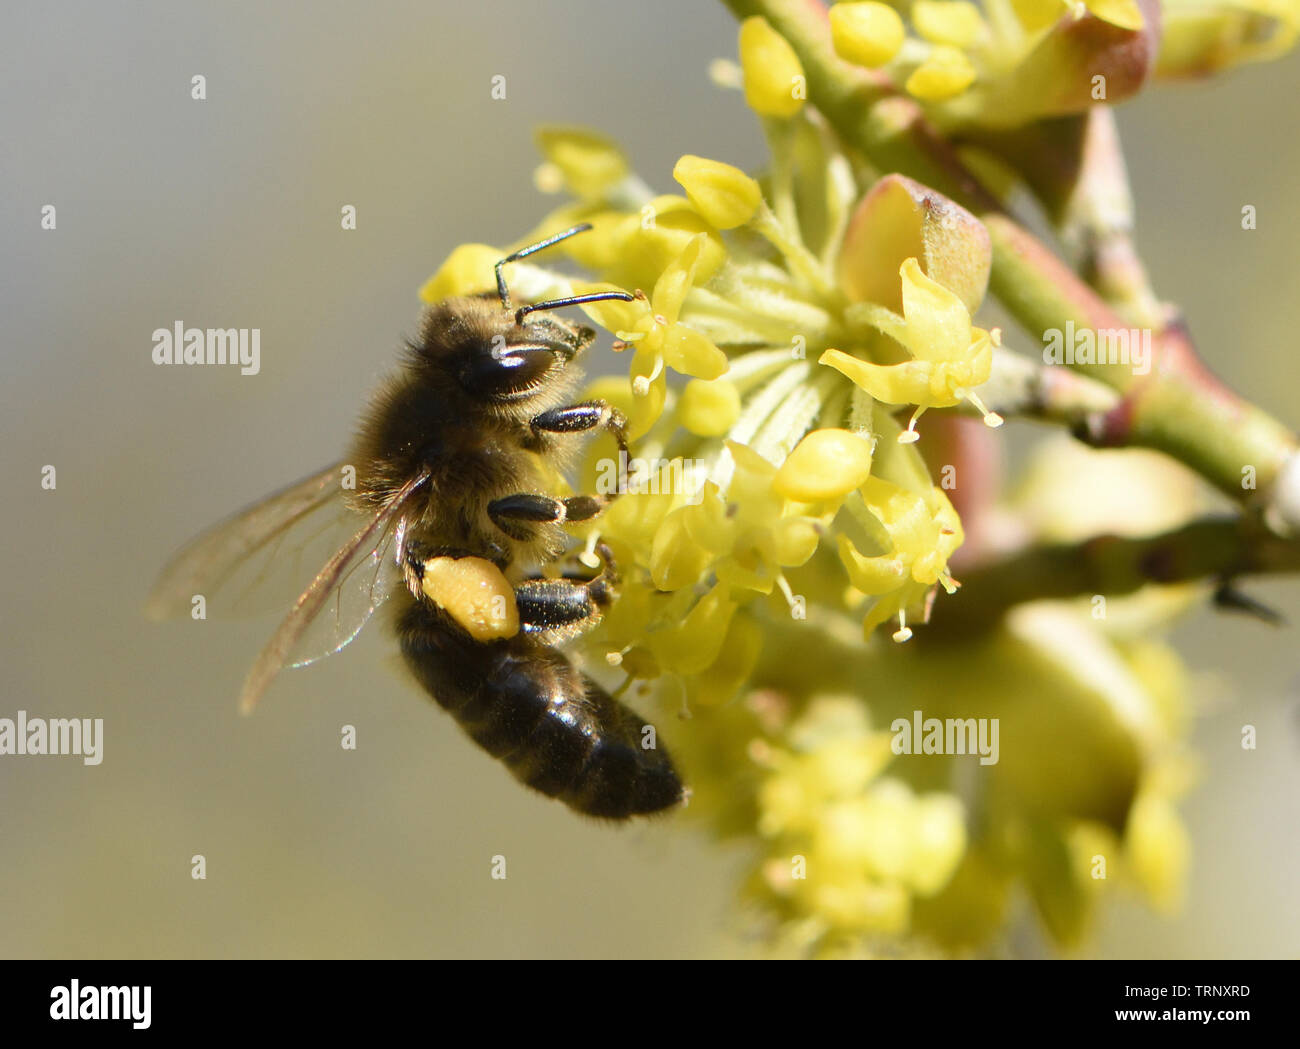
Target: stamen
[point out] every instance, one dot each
(991, 419)
(641, 384)
(904, 632)
(910, 436)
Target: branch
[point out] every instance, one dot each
(1179, 408)
(1209, 549)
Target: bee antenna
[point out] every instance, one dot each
(572, 300)
(523, 253)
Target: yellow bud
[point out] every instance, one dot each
(587, 161)
(724, 195)
(709, 409)
(468, 269)
(774, 80)
(867, 34)
(953, 22)
(474, 593)
(825, 465)
(947, 72)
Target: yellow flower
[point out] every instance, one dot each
(746, 537)
(660, 338)
(923, 532)
(950, 356)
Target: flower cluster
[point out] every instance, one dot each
(1004, 63)
(776, 327)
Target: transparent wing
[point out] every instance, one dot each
(259, 560)
(239, 565)
(360, 549)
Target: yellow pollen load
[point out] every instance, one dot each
(475, 594)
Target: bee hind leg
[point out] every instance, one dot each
(556, 610)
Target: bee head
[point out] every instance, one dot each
(520, 356)
(501, 355)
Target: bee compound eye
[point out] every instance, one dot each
(512, 372)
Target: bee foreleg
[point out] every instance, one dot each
(579, 418)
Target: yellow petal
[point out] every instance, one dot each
(953, 22)
(676, 561)
(629, 321)
(938, 324)
(774, 80)
(687, 351)
(649, 391)
(867, 34)
(911, 382)
(724, 195)
(1122, 13)
(651, 240)
(709, 409)
(676, 279)
(695, 642)
(468, 270)
(872, 575)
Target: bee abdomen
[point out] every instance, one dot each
(557, 731)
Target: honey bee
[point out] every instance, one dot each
(448, 515)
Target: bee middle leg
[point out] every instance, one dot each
(513, 514)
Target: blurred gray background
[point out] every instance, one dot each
(226, 213)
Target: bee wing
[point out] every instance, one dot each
(254, 561)
(361, 548)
